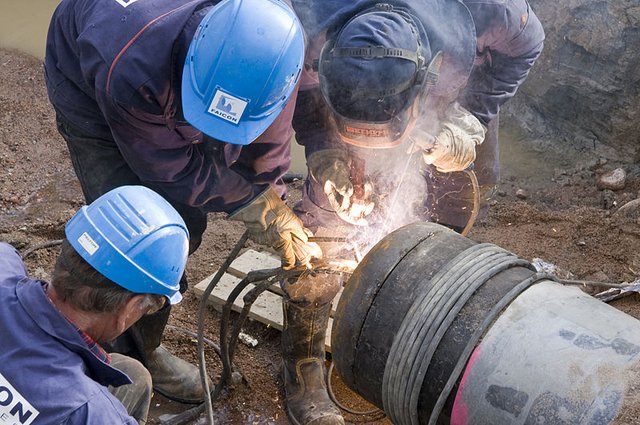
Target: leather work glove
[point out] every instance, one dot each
(271, 222)
(331, 168)
(454, 148)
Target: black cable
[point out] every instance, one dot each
(507, 299)
(213, 345)
(427, 320)
(227, 345)
(412, 334)
(263, 280)
(249, 298)
(47, 244)
(202, 308)
(473, 179)
(332, 395)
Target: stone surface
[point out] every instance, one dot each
(583, 93)
(612, 180)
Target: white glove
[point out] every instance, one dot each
(331, 169)
(271, 222)
(454, 148)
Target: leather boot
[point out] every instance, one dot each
(172, 377)
(303, 353)
(175, 378)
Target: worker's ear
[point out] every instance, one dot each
(131, 312)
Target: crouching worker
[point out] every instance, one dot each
(122, 258)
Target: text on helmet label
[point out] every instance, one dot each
(227, 107)
(14, 408)
(88, 243)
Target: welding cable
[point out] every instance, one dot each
(428, 318)
(332, 395)
(263, 280)
(228, 344)
(213, 345)
(477, 334)
(476, 201)
(202, 308)
(33, 249)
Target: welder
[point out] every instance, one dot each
(398, 113)
(108, 274)
(193, 99)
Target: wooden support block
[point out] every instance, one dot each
(255, 260)
(252, 260)
(267, 308)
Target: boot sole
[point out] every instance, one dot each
(178, 399)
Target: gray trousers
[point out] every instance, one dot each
(136, 397)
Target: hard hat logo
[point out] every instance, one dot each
(88, 243)
(227, 107)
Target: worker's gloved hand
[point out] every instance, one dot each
(271, 222)
(331, 169)
(454, 148)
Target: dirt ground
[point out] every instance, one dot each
(548, 206)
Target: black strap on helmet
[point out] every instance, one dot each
(329, 52)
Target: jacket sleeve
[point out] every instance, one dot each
(311, 117)
(193, 169)
(11, 264)
(509, 40)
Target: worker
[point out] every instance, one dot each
(193, 99)
(122, 258)
(398, 114)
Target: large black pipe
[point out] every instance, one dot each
(417, 307)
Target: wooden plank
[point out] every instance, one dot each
(267, 308)
(252, 260)
(255, 260)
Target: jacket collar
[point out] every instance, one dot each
(45, 315)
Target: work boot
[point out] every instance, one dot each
(175, 378)
(303, 336)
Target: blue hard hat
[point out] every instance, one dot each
(135, 238)
(243, 63)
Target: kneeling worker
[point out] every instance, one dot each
(122, 258)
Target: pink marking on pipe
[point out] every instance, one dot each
(460, 411)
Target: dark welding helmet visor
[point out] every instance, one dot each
(372, 74)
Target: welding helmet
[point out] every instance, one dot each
(243, 63)
(135, 238)
(373, 73)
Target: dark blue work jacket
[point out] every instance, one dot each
(113, 69)
(47, 373)
(489, 46)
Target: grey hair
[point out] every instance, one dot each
(86, 289)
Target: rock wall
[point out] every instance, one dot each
(584, 90)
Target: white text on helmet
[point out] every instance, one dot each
(227, 107)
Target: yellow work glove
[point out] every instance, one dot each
(331, 169)
(271, 222)
(454, 148)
